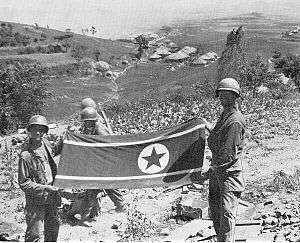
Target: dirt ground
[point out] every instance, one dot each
(261, 159)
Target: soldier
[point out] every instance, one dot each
(94, 124)
(36, 173)
(226, 141)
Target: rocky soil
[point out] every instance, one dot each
(271, 199)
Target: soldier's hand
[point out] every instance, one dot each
(50, 188)
(205, 174)
(207, 124)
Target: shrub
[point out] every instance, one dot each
(27, 50)
(283, 181)
(22, 94)
(257, 74)
(8, 38)
(290, 66)
(78, 51)
(138, 226)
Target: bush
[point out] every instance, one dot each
(22, 94)
(8, 38)
(138, 226)
(257, 74)
(290, 66)
(27, 50)
(78, 51)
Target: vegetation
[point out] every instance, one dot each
(9, 38)
(257, 74)
(233, 62)
(78, 51)
(138, 227)
(290, 66)
(22, 93)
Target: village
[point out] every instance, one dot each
(154, 81)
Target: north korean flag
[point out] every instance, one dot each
(162, 158)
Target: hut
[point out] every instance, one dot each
(163, 51)
(155, 56)
(189, 50)
(177, 57)
(210, 56)
(101, 66)
(173, 47)
(199, 62)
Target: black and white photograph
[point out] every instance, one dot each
(150, 120)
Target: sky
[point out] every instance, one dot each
(120, 18)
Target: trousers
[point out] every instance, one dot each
(223, 204)
(42, 223)
(89, 204)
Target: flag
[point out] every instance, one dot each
(162, 158)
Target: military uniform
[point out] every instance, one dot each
(36, 169)
(226, 183)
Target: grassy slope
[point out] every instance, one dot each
(107, 48)
(262, 37)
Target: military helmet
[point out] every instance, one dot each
(229, 84)
(38, 120)
(89, 114)
(88, 102)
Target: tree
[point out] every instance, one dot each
(257, 74)
(290, 66)
(97, 54)
(233, 63)
(78, 51)
(22, 94)
(142, 42)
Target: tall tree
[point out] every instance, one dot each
(233, 63)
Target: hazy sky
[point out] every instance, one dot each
(116, 18)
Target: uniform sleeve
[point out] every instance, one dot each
(232, 141)
(26, 184)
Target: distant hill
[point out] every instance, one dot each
(39, 36)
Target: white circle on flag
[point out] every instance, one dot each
(153, 158)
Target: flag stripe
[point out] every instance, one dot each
(115, 178)
(102, 145)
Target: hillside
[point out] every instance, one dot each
(270, 208)
(107, 48)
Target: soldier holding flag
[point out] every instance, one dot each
(36, 173)
(226, 141)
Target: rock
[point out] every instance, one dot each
(9, 231)
(165, 232)
(294, 220)
(115, 226)
(191, 208)
(14, 141)
(185, 190)
(268, 203)
(279, 238)
(287, 232)
(172, 221)
(286, 221)
(22, 131)
(125, 62)
(270, 221)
